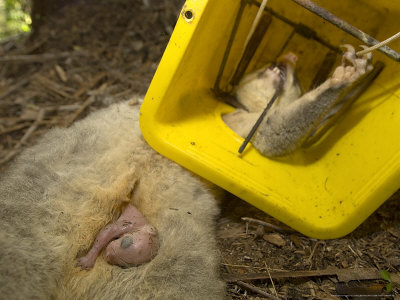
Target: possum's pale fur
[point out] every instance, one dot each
(292, 118)
(59, 194)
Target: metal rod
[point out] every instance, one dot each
(350, 29)
(297, 29)
(217, 88)
(261, 117)
(251, 48)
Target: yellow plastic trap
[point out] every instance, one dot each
(324, 190)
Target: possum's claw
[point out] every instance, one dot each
(352, 67)
(349, 55)
(367, 58)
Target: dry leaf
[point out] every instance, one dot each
(275, 239)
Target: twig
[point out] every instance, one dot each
(279, 275)
(15, 87)
(28, 133)
(33, 58)
(53, 86)
(68, 107)
(311, 289)
(313, 251)
(379, 296)
(122, 41)
(14, 128)
(241, 266)
(85, 104)
(256, 290)
(344, 275)
(33, 127)
(268, 225)
(83, 89)
(119, 76)
(273, 285)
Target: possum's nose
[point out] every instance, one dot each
(290, 58)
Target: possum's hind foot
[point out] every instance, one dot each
(352, 67)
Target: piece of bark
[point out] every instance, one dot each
(344, 275)
(274, 239)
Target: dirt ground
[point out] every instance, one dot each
(94, 54)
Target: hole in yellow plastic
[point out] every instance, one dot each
(188, 15)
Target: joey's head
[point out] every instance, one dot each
(134, 248)
(257, 88)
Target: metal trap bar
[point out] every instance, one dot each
(298, 28)
(255, 40)
(354, 31)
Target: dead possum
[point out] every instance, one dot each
(58, 195)
(293, 116)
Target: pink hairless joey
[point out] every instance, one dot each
(130, 241)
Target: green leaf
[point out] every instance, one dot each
(385, 275)
(389, 287)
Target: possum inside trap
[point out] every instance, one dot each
(311, 189)
(324, 62)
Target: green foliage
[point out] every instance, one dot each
(386, 276)
(14, 17)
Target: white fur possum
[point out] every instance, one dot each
(59, 195)
(293, 116)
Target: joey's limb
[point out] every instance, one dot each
(129, 220)
(287, 126)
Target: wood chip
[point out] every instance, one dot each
(274, 239)
(60, 72)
